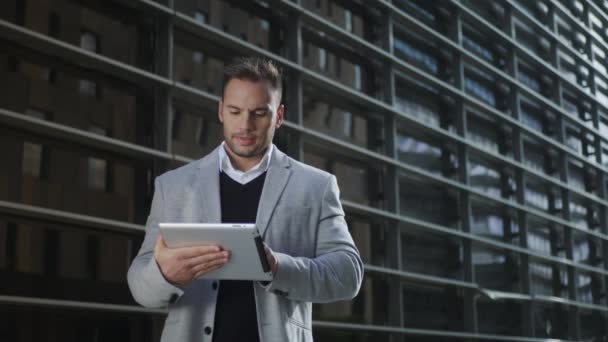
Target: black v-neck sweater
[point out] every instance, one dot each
(235, 314)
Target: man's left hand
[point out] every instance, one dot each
(272, 261)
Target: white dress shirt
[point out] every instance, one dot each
(247, 176)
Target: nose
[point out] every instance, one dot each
(247, 122)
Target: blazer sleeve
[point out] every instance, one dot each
(146, 282)
(336, 271)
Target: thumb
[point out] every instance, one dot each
(160, 244)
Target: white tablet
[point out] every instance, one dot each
(247, 257)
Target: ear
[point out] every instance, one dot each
(280, 113)
(220, 114)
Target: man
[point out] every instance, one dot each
(247, 179)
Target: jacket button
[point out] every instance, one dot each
(214, 285)
(208, 330)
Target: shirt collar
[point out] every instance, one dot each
(226, 165)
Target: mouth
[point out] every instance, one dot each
(245, 141)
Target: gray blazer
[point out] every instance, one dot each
(300, 218)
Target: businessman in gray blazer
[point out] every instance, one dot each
(295, 207)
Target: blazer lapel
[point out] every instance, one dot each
(276, 179)
(207, 187)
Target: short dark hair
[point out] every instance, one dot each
(253, 69)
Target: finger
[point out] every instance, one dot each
(192, 262)
(159, 243)
(195, 251)
(207, 265)
(207, 270)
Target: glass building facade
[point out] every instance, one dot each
(469, 139)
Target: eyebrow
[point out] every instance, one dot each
(254, 110)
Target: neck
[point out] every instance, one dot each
(243, 164)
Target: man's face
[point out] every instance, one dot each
(250, 112)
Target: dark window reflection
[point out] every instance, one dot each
(76, 180)
(551, 321)
(496, 269)
(428, 202)
(431, 253)
(501, 318)
(73, 263)
(369, 307)
(112, 30)
(70, 96)
(195, 130)
(432, 307)
(358, 181)
(20, 324)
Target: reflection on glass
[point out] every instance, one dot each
(332, 64)
(434, 307)
(371, 238)
(438, 159)
(234, 19)
(593, 324)
(490, 181)
(369, 307)
(431, 253)
(493, 223)
(428, 202)
(337, 120)
(73, 263)
(195, 131)
(587, 249)
(193, 67)
(550, 321)
(52, 93)
(358, 182)
(54, 324)
(78, 181)
(501, 318)
(495, 269)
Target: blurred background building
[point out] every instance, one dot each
(469, 138)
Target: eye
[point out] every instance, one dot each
(261, 113)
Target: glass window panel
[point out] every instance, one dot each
(428, 202)
(122, 109)
(345, 67)
(593, 325)
(548, 279)
(73, 263)
(496, 269)
(252, 22)
(369, 307)
(579, 214)
(488, 179)
(424, 103)
(32, 159)
(57, 324)
(358, 182)
(437, 158)
(341, 120)
(587, 249)
(417, 52)
(373, 238)
(488, 134)
(590, 288)
(433, 307)
(196, 131)
(550, 321)
(500, 318)
(431, 253)
(113, 30)
(494, 223)
(196, 66)
(350, 19)
(71, 181)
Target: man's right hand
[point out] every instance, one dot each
(181, 265)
